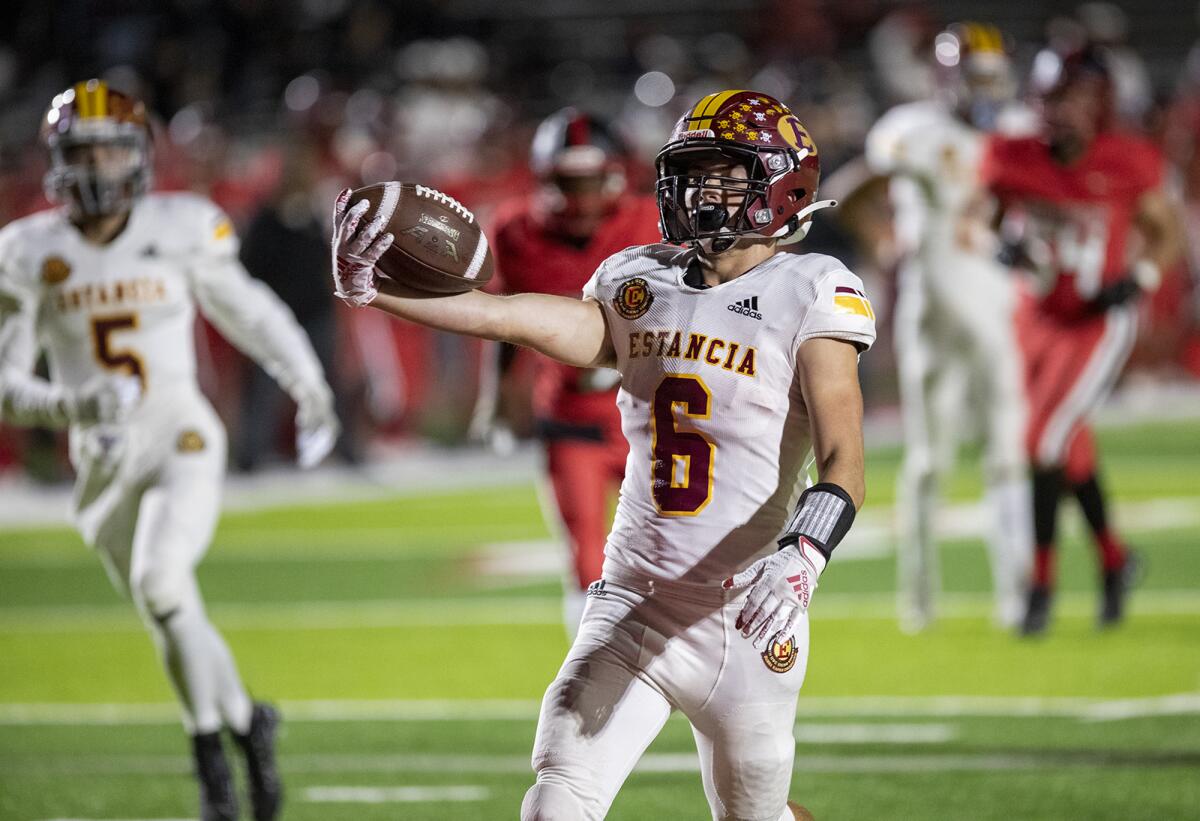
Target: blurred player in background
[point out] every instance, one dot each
(737, 362)
(1071, 200)
(107, 285)
(956, 345)
(549, 243)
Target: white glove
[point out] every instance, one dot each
(781, 586)
(104, 399)
(355, 254)
(317, 425)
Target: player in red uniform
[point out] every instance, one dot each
(549, 243)
(1070, 199)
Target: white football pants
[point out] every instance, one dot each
(149, 506)
(643, 650)
(960, 373)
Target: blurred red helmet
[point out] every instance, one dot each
(580, 162)
(1054, 73)
(758, 133)
(99, 143)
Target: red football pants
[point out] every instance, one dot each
(1069, 370)
(583, 475)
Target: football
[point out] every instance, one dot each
(438, 248)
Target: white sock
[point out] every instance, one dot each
(201, 668)
(1010, 546)
(235, 703)
(183, 640)
(918, 571)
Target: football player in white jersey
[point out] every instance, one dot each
(738, 360)
(107, 285)
(956, 346)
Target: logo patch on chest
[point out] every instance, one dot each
(781, 655)
(633, 298)
(55, 270)
(746, 307)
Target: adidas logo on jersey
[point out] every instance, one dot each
(746, 307)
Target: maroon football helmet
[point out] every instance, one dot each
(99, 143)
(760, 134)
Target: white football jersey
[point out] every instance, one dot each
(933, 158)
(125, 307)
(128, 307)
(710, 401)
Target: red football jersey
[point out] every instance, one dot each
(1074, 220)
(531, 260)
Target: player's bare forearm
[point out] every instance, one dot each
(1159, 224)
(568, 330)
(829, 381)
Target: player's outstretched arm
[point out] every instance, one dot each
(565, 329)
(569, 330)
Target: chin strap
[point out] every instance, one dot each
(801, 232)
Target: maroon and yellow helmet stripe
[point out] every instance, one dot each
(701, 116)
(91, 99)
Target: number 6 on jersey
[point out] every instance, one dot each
(683, 459)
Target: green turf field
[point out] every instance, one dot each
(409, 640)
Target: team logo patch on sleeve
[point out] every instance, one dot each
(781, 655)
(54, 270)
(851, 301)
(633, 298)
(222, 229)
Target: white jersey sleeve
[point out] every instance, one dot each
(893, 145)
(840, 310)
(25, 399)
(245, 310)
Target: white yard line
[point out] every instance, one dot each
(1177, 704)
(662, 763)
(807, 733)
(393, 795)
(950, 706)
(453, 613)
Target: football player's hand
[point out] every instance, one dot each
(356, 250)
(781, 587)
(104, 400)
(317, 425)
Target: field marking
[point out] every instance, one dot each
(660, 763)
(817, 707)
(807, 733)
(454, 613)
(1177, 704)
(393, 795)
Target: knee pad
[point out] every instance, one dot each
(161, 591)
(547, 801)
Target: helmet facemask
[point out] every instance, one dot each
(696, 206)
(100, 168)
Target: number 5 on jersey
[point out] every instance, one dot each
(121, 360)
(681, 478)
